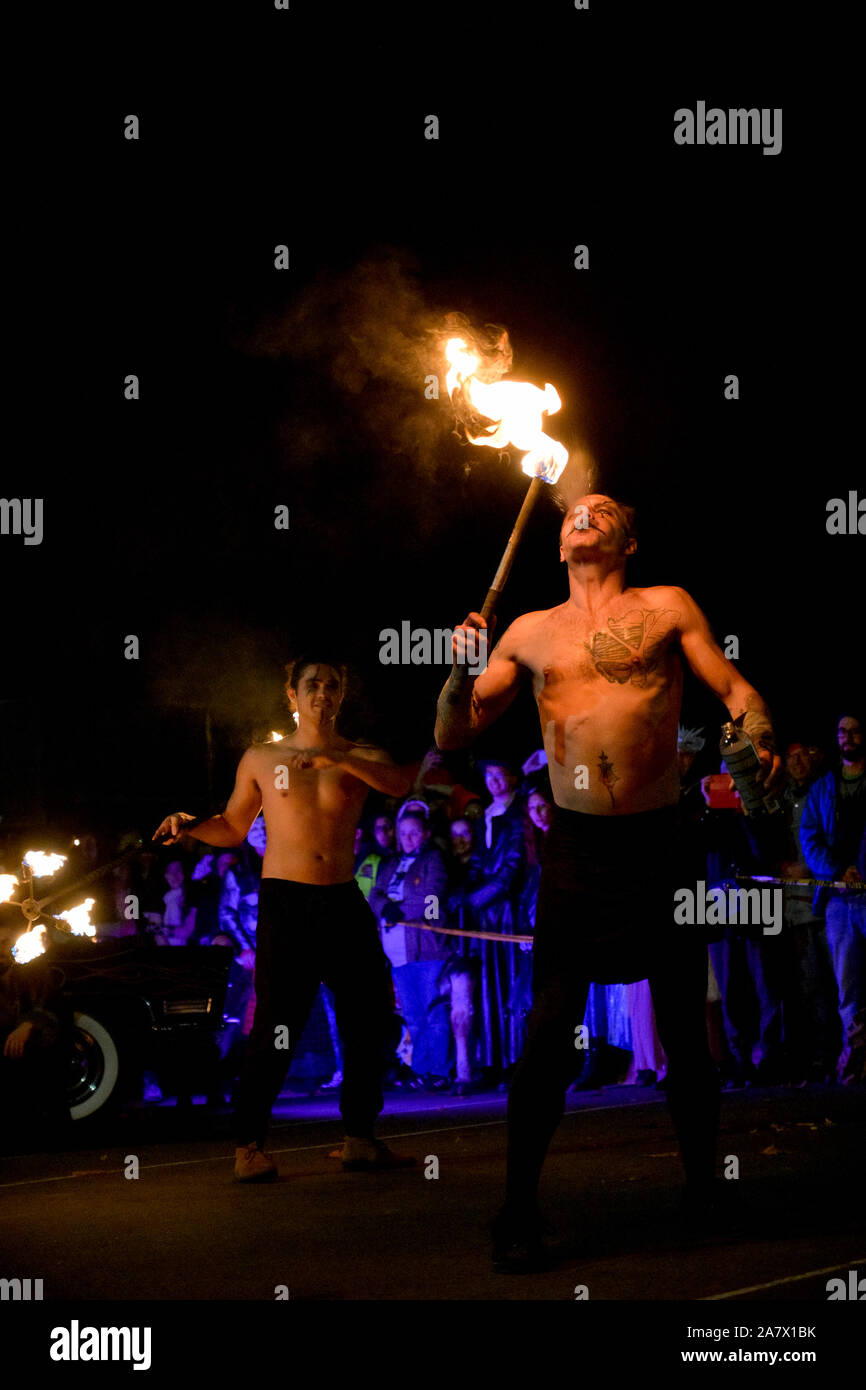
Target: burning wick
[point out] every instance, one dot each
(8, 884)
(512, 411)
(30, 945)
(42, 864)
(79, 918)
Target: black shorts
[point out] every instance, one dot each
(606, 899)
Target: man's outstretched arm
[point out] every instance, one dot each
(468, 704)
(744, 704)
(231, 826)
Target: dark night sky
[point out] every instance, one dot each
(158, 514)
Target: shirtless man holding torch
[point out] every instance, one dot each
(607, 677)
(313, 922)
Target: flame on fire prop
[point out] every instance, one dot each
(42, 864)
(79, 918)
(30, 945)
(8, 884)
(497, 413)
(504, 412)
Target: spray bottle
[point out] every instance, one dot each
(742, 761)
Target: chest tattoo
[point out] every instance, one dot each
(633, 646)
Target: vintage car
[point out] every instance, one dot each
(128, 1007)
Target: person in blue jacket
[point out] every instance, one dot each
(832, 828)
(413, 887)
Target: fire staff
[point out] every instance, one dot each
(607, 678)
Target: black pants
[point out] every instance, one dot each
(606, 915)
(308, 934)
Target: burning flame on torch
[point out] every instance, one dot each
(8, 884)
(79, 918)
(30, 945)
(514, 407)
(42, 864)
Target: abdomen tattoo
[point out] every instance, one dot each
(607, 775)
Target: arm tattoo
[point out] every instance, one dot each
(608, 776)
(634, 646)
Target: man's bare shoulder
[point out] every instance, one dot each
(666, 595)
(265, 746)
(524, 628)
(258, 752)
(668, 598)
(673, 597)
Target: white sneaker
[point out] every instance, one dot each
(252, 1165)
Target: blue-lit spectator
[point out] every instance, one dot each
(413, 887)
(241, 875)
(539, 813)
(385, 835)
(368, 861)
(748, 966)
(461, 971)
(832, 827)
(178, 919)
(811, 1019)
(213, 898)
(249, 877)
(489, 902)
(461, 845)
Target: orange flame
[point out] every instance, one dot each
(79, 918)
(42, 864)
(516, 406)
(30, 945)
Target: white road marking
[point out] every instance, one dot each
(789, 1279)
(310, 1148)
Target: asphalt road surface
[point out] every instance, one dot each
(183, 1229)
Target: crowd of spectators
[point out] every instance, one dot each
(452, 870)
(783, 1005)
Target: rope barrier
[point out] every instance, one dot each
(801, 882)
(456, 931)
